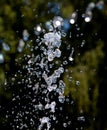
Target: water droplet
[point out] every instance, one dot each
(57, 21)
(1, 58)
(50, 57)
(21, 45)
(77, 83)
(37, 29)
(25, 35)
(73, 18)
(81, 118)
(5, 46)
(71, 59)
(83, 42)
(88, 16)
(65, 125)
(61, 98)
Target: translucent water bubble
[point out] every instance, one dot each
(61, 98)
(65, 62)
(1, 58)
(50, 57)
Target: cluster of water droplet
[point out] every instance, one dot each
(41, 86)
(88, 13)
(52, 41)
(39, 82)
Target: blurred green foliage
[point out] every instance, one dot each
(82, 79)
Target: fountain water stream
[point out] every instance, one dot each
(41, 88)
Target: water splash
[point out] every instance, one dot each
(42, 85)
(39, 82)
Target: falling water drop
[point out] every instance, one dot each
(77, 83)
(21, 45)
(57, 21)
(70, 58)
(88, 16)
(25, 35)
(81, 118)
(73, 18)
(41, 91)
(5, 46)
(1, 58)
